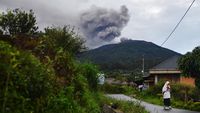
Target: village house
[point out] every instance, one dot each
(167, 70)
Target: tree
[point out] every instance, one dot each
(90, 72)
(60, 45)
(18, 22)
(25, 80)
(189, 64)
(57, 38)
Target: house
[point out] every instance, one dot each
(168, 70)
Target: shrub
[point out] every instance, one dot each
(64, 66)
(195, 106)
(90, 72)
(109, 88)
(194, 94)
(181, 91)
(64, 102)
(156, 89)
(131, 107)
(182, 96)
(126, 106)
(25, 83)
(83, 95)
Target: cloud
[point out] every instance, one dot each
(103, 25)
(124, 39)
(150, 20)
(48, 12)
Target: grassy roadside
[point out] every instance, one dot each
(194, 106)
(125, 106)
(153, 95)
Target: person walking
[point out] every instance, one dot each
(166, 95)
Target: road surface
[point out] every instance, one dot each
(149, 107)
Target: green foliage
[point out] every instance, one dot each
(53, 83)
(182, 96)
(25, 80)
(156, 89)
(136, 77)
(126, 107)
(157, 100)
(178, 91)
(90, 72)
(114, 89)
(64, 66)
(56, 38)
(83, 95)
(181, 92)
(127, 56)
(25, 83)
(64, 102)
(194, 93)
(131, 107)
(60, 45)
(18, 22)
(189, 64)
(75, 99)
(195, 106)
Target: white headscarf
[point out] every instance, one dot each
(165, 86)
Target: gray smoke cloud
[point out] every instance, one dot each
(124, 39)
(101, 25)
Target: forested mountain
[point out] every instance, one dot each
(127, 55)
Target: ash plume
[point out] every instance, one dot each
(101, 25)
(124, 39)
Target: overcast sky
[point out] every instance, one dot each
(150, 20)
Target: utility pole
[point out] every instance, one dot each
(143, 65)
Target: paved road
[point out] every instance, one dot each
(149, 107)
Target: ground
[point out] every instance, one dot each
(149, 107)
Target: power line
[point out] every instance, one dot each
(178, 23)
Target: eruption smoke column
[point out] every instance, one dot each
(100, 25)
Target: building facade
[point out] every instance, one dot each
(168, 71)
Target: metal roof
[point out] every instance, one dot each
(169, 64)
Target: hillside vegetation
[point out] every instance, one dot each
(39, 72)
(127, 55)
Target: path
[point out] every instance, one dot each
(150, 107)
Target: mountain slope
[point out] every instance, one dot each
(127, 55)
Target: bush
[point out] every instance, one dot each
(182, 96)
(113, 89)
(131, 107)
(84, 96)
(156, 89)
(181, 92)
(64, 66)
(64, 102)
(194, 94)
(195, 106)
(90, 72)
(178, 91)
(56, 38)
(125, 106)
(25, 83)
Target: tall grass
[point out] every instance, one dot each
(181, 96)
